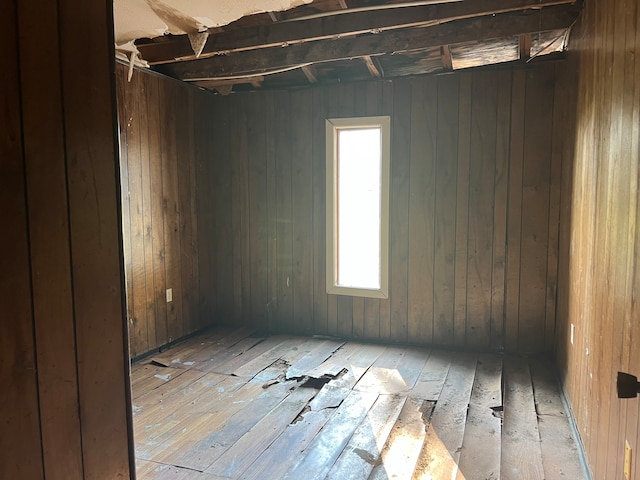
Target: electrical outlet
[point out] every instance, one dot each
(169, 295)
(573, 332)
(627, 460)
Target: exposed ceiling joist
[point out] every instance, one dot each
(446, 57)
(372, 66)
(310, 73)
(525, 46)
(169, 48)
(452, 32)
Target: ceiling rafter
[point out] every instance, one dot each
(292, 32)
(457, 31)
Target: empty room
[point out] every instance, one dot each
(320, 239)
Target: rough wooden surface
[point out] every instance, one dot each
(363, 411)
(465, 188)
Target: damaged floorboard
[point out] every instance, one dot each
(229, 404)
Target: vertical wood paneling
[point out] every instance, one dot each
(168, 192)
(457, 171)
(284, 231)
(19, 413)
(319, 173)
(500, 202)
(423, 143)
(462, 210)
(514, 209)
(399, 210)
(49, 248)
(598, 232)
(302, 205)
(481, 198)
(64, 405)
(240, 231)
(153, 95)
(535, 206)
(445, 210)
(258, 218)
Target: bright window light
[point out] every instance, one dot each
(357, 206)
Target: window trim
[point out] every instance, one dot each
(333, 125)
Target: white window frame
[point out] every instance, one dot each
(333, 125)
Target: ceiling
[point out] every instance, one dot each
(325, 41)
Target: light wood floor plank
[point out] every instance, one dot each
(385, 412)
(321, 454)
(480, 454)
(364, 450)
(521, 453)
(445, 430)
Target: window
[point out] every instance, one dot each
(358, 206)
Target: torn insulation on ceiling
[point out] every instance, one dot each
(134, 19)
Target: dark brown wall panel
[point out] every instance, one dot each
(65, 397)
(166, 138)
(470, 210)
(600, 247)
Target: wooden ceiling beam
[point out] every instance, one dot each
(171, 48)
(372, 66)
(446, 57)
(459, 31)
(310, 73)
(525, 46)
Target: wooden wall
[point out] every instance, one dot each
(64, 399)
(599, 270)
(475, 192)
(163, 136)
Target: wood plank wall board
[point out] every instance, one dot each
(462, 210)
(270, 128)
(514, 210)
(48, 229)
(421, 271)
(446, 170)
(259, 231)
(500, 205)
(137, 275)
(95, 237)
(19, 409)
(481, 200)
(240, 230)
(284, 210)
(384, 314)
(319, 160)
(169, 159)
(535, 205)
(598, 234)
(188, 265)
(399, 211)
(168, 144)
(65, 407)
(152, 96)
(223, 212)
(464, 130)
(302, 204)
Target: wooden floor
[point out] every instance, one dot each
(228, 404)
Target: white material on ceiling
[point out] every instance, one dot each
(151, 18)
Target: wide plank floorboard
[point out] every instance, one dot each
(229, 404)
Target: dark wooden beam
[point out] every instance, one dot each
(459, 31)
(372, 66)
(525, 46)
(171, 48)
(446, 57)
(310, 73)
